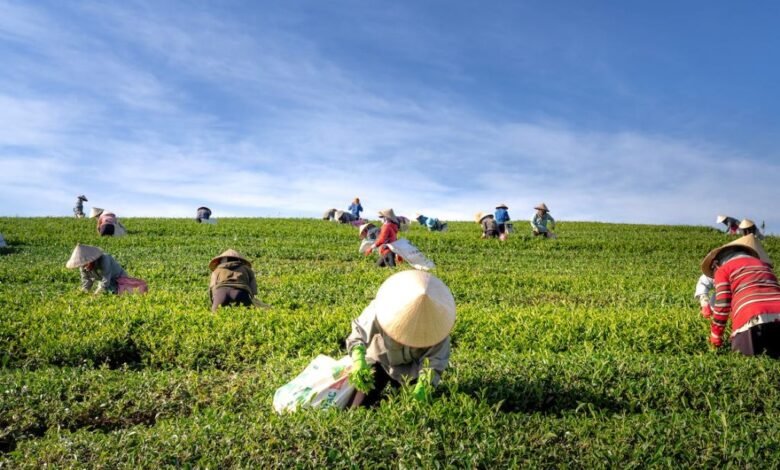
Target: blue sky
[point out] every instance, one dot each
(649, 112)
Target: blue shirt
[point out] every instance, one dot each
(502, 216)
(355, 209)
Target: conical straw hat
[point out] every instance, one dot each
(82, 255)
(720, 219)
(748, 241)
(502, 206)
(415, 308)
(389, 214)
(542, 207)
(747, 223)
(231, 253)
(95, 212)
(364, 227)
(481, 215)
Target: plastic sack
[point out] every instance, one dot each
(119, 230)
(365, 245)
(131, 285)
(323, 384)
(403, 248)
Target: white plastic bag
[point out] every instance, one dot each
(365, 245)
(119, 230)
(323, 384)
(403, 247)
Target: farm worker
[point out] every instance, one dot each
(3, 244)
(95, 265)
(328, 215)
(107, 224)
(502, 219)
(368, 231)
(746, 290)
(232, 281)
(355, 208)
(406, 326)
(78, 209)
(431, 223)
(343, 217)
(705, 294)
(488, 223)
(732, 224)
(541, 220)
(747, 226)
(387, 234)
(204, 213)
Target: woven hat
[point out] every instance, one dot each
(365, 227)
(82, 255)
(542, 207)
(389, 214)
(481, 215)
(748, 241)
(502, 206)
(415, 308)
(747, 223)
(95, 212)
(231, 253)
(720, 219)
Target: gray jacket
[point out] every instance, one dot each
(397, 360)
(106, 272)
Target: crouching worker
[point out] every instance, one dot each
(78, 209)
(404, 328)
(107, 223)
(488, 224)
(747, 226)
(431, 223)
(203, 213)
(232, 282)
(95, 265)
(542, 223)
(747, 292)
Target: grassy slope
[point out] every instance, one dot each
(587, 351)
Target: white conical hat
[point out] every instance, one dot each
(747, 223)
(415, 308)
(542, 207)
(364, 227)
(95, 212)
(389, 214)
(720, 219)
(230, 253)
(748, 241)
(82, 255)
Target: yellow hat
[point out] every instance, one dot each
(228, 254)
(415, 308)
(82, 255)
(748, 241)
(747, 223)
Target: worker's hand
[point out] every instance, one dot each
(716, 341)
(706, 311)
(362, 375)
(422, 392)
(368, 251)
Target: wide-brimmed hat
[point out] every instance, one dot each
(231, 253)
(203, 207)
(82, 197)
(542, 207)
(83, 254)
(747, 223)
(389, 214)
(415, 308)
(95, 212)
(720, 219)
(750, 242)
(502, 206)
(481, 215)
(365, 227)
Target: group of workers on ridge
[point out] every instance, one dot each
(498, 225)
(735, 227)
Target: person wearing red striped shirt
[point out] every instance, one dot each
(747, 292)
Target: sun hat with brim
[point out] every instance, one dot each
(389, 214)
(203, 207)
(720, 219)
(95, 212)
(750, 242)
(365, 227)
(415, 308)
(747, 223)
(83, 254)
(542, 207)
(228, 254)
(502, 206)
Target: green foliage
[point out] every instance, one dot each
(585, 351)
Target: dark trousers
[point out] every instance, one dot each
(106, 230)
(229, 297)
(760, 339)
(386, 260)
(381, 379)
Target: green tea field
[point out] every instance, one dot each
(585, 351)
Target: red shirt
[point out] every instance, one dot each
(746, 290)
(388, 234)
